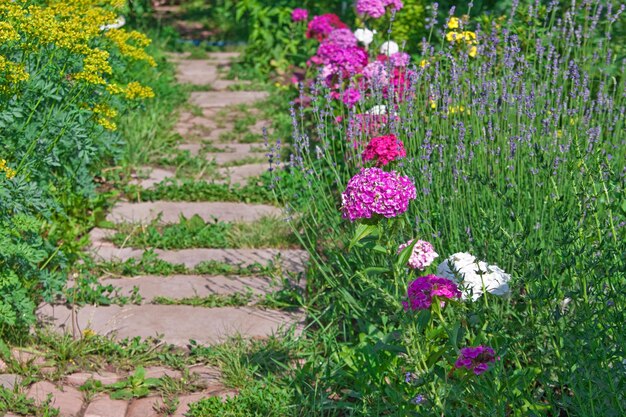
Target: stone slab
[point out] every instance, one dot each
(175, 324)
(207, 375)
(154, 176)
(9, 381)
(292, 260)
(241, 174)
(145, 407)
(161, 371)
(170, 211)
(80, 378)
(208, 99)
(197, 71)
(67, 399)
(225, 85)
(185, 286)
(103, 406)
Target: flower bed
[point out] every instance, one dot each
(500, 143)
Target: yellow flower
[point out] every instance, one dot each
(433, 104)
(424, 63)
(95, 65)
(12, 72)
(453, 23)
(559, 133)
(469, 37)
(135, 90)
(131, 44)
(473, 51)
(8, 33)
(8, 172)
(453, 36)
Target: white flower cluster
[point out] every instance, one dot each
(474, 277)
(119, 22)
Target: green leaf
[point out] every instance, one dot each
(362, 231)
(376, 270)
(403, 259)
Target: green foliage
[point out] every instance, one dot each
(135, 386)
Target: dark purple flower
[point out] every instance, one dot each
(476, 359)
(422, 291)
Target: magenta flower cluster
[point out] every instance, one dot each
(422, 256)
(476, 359)
(339, 59)
(384, 149)
(351, 96)
(299, 15)
(376, 192)
(321, 26)
(377, 8)
(422, 291)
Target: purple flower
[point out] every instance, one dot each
(377, 8)
(343, 38)
(338, 60)
(422, 256)
(376, 192)
(351, 96)
(422, 290)
(400, 59)
(320, 26)
(376, 73)
(372, 8)
(476, 359)
(418, 399)
(299, 15)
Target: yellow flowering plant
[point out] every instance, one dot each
(68, 71)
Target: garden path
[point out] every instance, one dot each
(244, 275)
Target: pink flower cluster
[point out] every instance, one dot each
(422, 290)
(422, 256)
(340, 55)
(376, 192)
(476, 359)
(377, 8)
(384, 149)
(351, 96)
(299, 15)
(321, 26)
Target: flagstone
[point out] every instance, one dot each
(145, 407)
(153, 177)
(170, 212)
(67, 399)
(80, 378)
(9, 381)
(242, 173)
(186, 286)
(103, 406)
(171, 322)
(197, 72)
(208, 99)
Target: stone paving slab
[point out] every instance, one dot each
(103, 406)
(292, 260)
(154, 176)
(225, 85)
(172, 322)
(145, 407)
(185, 286)
(170, 211)
(197, 72)
(80, 378)
(9, 381)
(68, 400)
(208, 99)
(241, 174)
(242, 149)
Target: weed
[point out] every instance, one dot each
(210, 301)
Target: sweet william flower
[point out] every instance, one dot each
(422, 291)
(476, 359)
(422, 256)
(376, 192)
(384, 149)
(299, 15)
(365, 36)
(389, 48)
(475, 276)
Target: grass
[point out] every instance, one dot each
(210, 301)
(200, 191)
(268, 232)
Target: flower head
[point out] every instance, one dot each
(475, 276)
(372, 8)
(453, 23)
(422, 291)
(298, 15)
(351, 96)
(321, 26)
(342, 37)
(476, 359)
(400, 59)
(422, 256)
(365, 36)
(376, 192)
(389, 48)
(384, 149)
